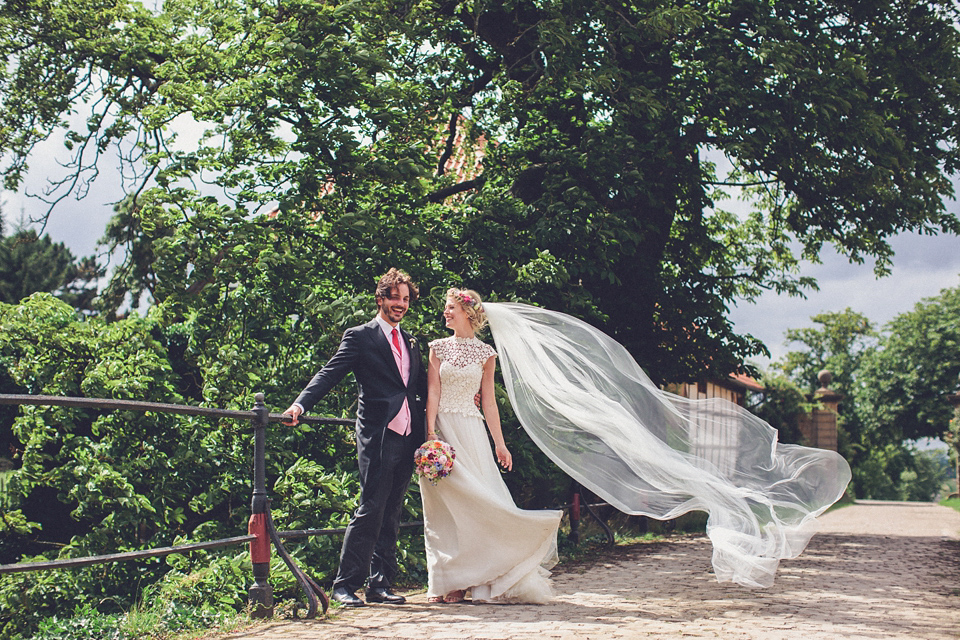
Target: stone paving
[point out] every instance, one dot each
(875, 570)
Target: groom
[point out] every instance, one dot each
(386, 363)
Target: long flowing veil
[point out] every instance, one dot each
(590, 407)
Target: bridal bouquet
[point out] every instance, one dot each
(434, 460)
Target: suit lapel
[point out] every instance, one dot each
(414, 355)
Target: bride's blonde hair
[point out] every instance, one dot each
(469, 300)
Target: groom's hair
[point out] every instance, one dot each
(395, 278)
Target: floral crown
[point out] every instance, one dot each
(465, 299)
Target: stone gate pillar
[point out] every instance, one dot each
(819, 428)
(953, 437)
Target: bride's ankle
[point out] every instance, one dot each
(455, 596)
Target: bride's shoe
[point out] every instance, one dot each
(435, 599)
(454, 596)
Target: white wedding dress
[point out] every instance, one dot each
(476, 538)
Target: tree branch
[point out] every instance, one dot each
(442, 194)
(448, 147)
(758, 183)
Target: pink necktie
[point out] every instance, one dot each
(401, 422)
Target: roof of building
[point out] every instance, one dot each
(744, 381)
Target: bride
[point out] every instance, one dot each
(477, 539)
(590, 408)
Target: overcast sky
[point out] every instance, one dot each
(923, 265)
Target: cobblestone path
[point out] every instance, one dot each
(876, 570)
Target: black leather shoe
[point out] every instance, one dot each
(384, 596)
(345, 597)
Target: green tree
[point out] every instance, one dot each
(601, 121)
(839, 344)
(952, 438)
(29, 264)
(895, 472)
(904, 384)
(925, 481)
(895, 385)
(878, 472)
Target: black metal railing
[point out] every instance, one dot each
(262, 535)
(261, 532)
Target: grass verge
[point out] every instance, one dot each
(953, 503)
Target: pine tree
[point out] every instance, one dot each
(30, 263)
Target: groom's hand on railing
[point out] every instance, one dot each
(292, 414)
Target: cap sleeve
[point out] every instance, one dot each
(439, 347)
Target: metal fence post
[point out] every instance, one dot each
(574, 535)
(260, 594)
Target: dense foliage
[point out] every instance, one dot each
(838, 344)
(904, 384)
(279, 156)
(782, 404)
(91, 482)
(598, 128)
(31, 263)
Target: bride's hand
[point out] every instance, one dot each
(504, 457)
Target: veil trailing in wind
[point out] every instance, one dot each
(590, 407)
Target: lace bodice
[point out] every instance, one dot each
(461, 369)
